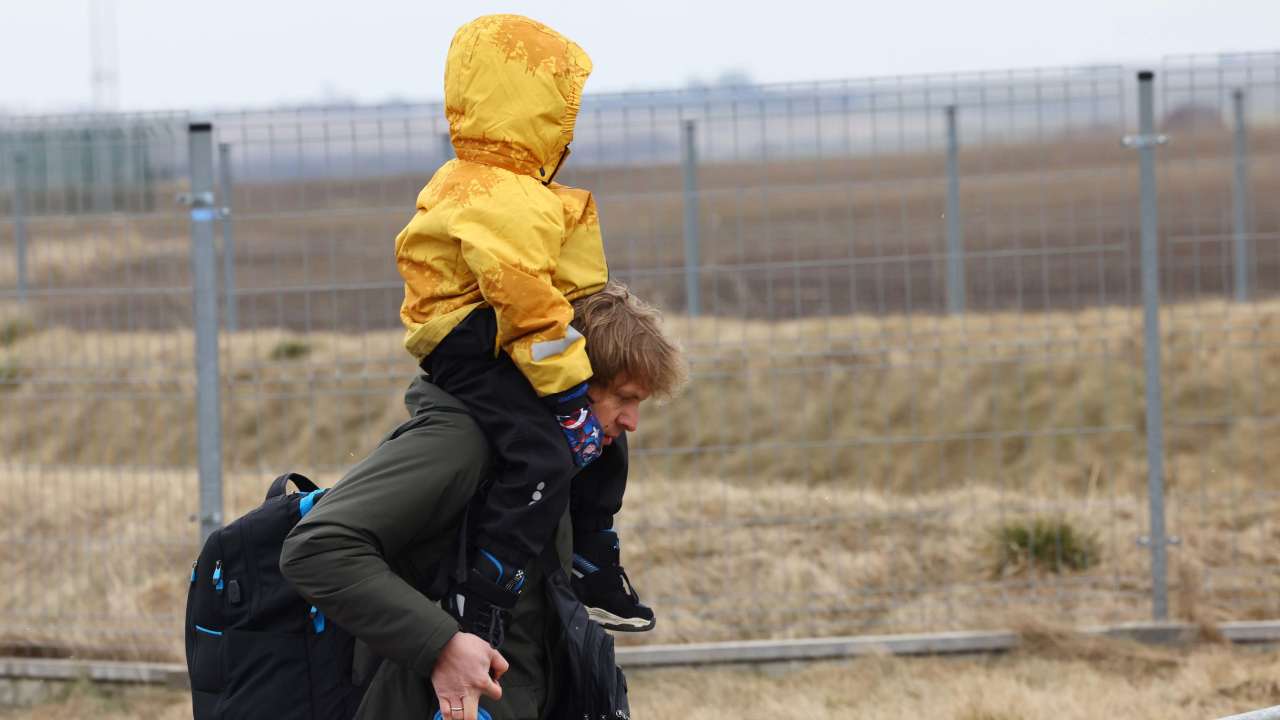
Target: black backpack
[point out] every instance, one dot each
(594, 686)
(255, 648)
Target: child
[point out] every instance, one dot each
(491, 261)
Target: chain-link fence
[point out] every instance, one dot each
(912, 307)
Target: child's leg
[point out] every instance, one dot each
(598, 577)
(532, 465)
(596, 494)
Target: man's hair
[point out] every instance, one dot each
(624, 338)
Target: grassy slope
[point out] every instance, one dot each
(851, 470)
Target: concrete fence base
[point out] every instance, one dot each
(718, 653)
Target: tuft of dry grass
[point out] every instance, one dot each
(290, 350)
(1044, 638)
(1051, 544)
(14, 328)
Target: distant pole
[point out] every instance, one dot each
(1240, 200)
(204, 263)
(692, 248)
(20, 221)
(1146, 142)
(955, 237)
(104, 56)
(230, 322)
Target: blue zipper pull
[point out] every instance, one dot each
(217, 576)
(193, 570)
(317, 619)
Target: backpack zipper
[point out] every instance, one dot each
(317, 619)
(193, 570)
(217, 576)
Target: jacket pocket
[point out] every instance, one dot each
(267, 676)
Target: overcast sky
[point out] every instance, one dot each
(176, 54)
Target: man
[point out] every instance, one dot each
(371, 547)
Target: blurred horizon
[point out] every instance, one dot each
(148, 57)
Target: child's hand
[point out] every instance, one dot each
(579, 424)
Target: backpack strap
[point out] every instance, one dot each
(302, 482)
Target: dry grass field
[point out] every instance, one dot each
(1056, 676)
(873, 477)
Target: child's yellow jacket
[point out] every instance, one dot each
(490, 228)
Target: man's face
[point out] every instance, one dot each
(617, 405)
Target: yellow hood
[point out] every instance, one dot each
(512, 89)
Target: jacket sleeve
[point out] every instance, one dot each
(512, 248)
(409, 492)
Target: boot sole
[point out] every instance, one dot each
(609, 621)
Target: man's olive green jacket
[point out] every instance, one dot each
(370, 546)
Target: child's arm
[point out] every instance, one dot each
(512, 248)
(581, 268)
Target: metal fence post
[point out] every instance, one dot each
(205, 306)
(955, 238)
(20, 221)
(230, 319)
(1146, 142)
(692, 247)
(1240, 200)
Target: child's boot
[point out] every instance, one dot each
(603, 586)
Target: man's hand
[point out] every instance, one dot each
(462, 674)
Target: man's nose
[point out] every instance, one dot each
(629, 420)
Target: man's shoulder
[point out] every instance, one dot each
(447, 434)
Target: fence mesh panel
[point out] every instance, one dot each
(850, 457)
